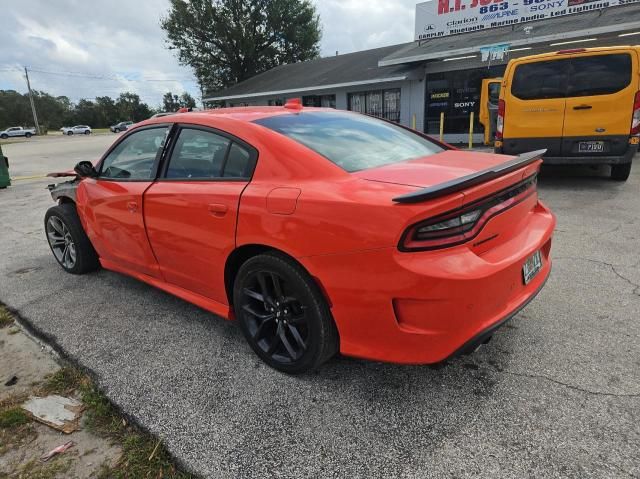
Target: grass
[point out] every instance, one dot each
(49, 470)
(13, 417)
(5, 317)
(143, 455)
(16, 427)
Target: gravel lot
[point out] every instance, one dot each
(555, 394)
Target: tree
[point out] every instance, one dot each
(187, 101)
(130, 108)
(107, 111)
(54, 112)
(170, 102)
(228, 41)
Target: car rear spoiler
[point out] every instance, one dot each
(471, 180)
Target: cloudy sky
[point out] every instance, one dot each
(84, 49)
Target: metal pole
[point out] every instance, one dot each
(33, 106)
(413, 121)
(441, 126)
(471, 130)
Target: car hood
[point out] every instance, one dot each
(434, 169)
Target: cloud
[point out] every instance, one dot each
(84, 49)
(353, 25)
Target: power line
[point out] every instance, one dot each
(97, 76)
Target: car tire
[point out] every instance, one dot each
(4, 136)
(68, 241)
(27, 135)
(620, 172)
(87, 132)
(283, 314)
(69, 133)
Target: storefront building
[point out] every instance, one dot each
(458, 43)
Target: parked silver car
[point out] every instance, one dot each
(76, 130)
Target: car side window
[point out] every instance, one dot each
(134, 157)
(198, 154)
(238, 163)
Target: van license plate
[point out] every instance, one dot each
(532, 267)
(591, 147)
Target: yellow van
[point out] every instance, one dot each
(581, 105)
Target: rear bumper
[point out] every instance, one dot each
(593, 160)
(424, 307)
(625, 158)
(481, 338)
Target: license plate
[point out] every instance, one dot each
(591, 146)
(532, 267)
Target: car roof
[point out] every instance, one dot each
(244, 113)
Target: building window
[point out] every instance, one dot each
(276, 102)
(381, 103)
(456, 94)
(320, 101)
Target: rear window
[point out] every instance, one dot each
(353, 142)
(599, 75)
(541, 80)
(572, 77)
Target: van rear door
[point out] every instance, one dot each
(535, 105)
(600, 95)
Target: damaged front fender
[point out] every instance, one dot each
(64, 191)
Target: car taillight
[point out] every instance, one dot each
(635, 119)
(500, 122)
(456, 227)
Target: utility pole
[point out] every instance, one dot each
(33, 105)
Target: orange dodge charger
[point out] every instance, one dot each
(318, 230)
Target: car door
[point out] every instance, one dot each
(192, 210)
(600, 97)
(111, 205)
(14, 131)
(535, 105)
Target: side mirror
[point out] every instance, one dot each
(85, 169)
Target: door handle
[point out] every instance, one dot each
(582, 107)
(132, 206)
(218, 209)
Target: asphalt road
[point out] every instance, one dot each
(555, 394)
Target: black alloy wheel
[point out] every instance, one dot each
(283, 315)
(69, 243)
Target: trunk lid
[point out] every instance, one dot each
(490, 183)
(451, 166)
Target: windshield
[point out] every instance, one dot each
(353, 142)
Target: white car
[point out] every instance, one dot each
(76, 130)
(17, 131)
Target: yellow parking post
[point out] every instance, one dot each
(471, 131)
(413, 121)
(441, 126)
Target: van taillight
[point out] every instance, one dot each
(635, 119)
(500, 122)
